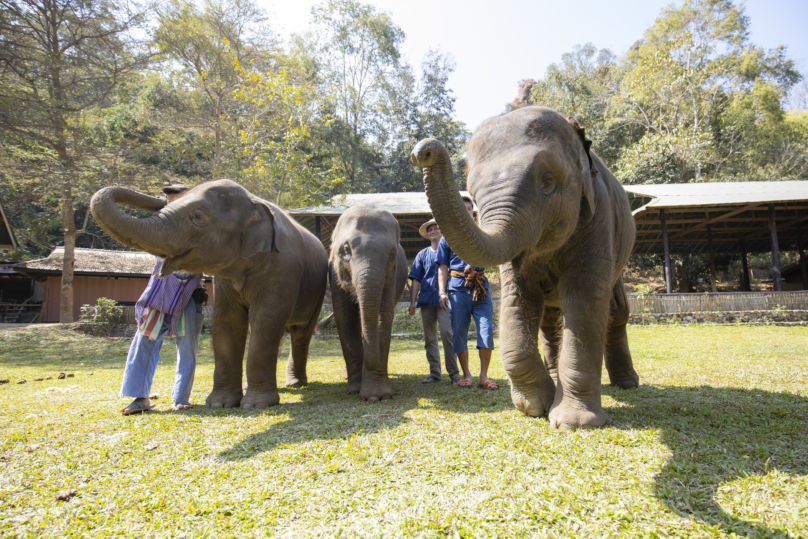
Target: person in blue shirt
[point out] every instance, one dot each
(464, 292)
(424, 296)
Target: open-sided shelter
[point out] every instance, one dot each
(722, 217)
(410, 209)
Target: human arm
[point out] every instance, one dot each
(443, 281)
(415, 289)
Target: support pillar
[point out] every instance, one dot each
(803, 265)
(317, 227)
(745, 285)
(666, 245)
(778, 278)
(713, 286)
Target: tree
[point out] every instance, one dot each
(58, 59)
(356, 49)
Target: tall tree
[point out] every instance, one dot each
(356, 48)
(58, 59)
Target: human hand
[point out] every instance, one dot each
(444, 302)
(412, 308)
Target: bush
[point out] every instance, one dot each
(104, 317)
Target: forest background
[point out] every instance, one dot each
(96, 93)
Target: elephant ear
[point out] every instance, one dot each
(588, 179)
(264, 230)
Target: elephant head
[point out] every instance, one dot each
(214, 228)
(531, 174)
(365, 254)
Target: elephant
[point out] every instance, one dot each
(269, 275)
(368, 271)
(559, 226)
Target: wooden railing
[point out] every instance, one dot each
(657, 303)
(720, 301)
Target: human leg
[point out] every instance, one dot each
(187, 349)
(429, 319)
(446, 336)
(460, 302)
(138, 373)
(483, 313)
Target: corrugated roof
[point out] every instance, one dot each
(395, 203)
(719, 193)
(94, 261)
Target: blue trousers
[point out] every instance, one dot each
(463, 308)
(141, 363)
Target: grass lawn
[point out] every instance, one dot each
(714, 443)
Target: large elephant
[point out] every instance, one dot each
(368, 272)
(559, 225)
(270, 276)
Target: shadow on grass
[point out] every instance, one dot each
(717, 435)
(327, 412)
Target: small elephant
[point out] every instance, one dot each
(559, 225)
(270, 276)
(368, 271)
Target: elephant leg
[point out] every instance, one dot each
(618, 356)
(376, 384)
(267, 326)
(532, 389)
(229, 331)
(585, 304)
(299, 355)
(550, 333)
(349, 328)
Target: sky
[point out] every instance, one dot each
(497, 43)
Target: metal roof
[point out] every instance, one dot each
(395, 203)
(718, 193)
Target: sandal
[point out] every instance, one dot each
(137, 407)
(465, 383)
(455, 379)
(488, 384)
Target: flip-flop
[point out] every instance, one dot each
(488, 384)
(455, 379)
(137, 407)
(431, 379)
(465, 383)
(180, 406)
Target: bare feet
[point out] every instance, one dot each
(178, 406)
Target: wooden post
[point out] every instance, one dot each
(317, 227)
(713, 286)
(746, 285)
(666, 245)
(778, 278)
(803, 266)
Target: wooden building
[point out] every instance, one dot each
(98, 273)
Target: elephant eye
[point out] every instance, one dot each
(199, 217)
(549, 183)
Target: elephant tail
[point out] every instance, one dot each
(324, 323)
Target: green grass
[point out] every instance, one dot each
(714, 443)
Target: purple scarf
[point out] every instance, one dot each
(166, 294)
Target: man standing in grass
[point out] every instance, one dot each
(169, 305)
(464, 291)
(424, 296)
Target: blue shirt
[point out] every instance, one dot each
(447, 257)
(425, 271)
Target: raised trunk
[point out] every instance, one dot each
(475, 245)
(369, 297)
(149, 234)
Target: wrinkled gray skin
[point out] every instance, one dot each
(560, 227)
(270, 275)
(368, 272)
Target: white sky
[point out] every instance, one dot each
(497, 43)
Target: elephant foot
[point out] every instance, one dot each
(567, 415)
(533, 402)
(629, 380)
(376, 392)
(293, 380)
(223, 398)
(260, 399)
(354, 386)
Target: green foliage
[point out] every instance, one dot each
(106, 313)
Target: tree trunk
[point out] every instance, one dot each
(69, 229)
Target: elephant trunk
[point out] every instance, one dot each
(482, 247)
(369, 284)
(149, 234)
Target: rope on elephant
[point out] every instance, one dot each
(474, 279)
